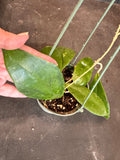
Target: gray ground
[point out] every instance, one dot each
(27, 132)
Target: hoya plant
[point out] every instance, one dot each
(39, 79)
(62, 89)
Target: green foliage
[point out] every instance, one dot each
(94, 104)
(62, 55)
(40, 79)
(82, 66)
(99, 90)
(33, 76)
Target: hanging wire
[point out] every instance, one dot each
(66, 26)
(98, 23)
(106, 67)
(99, 59)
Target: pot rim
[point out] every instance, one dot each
(65, 114)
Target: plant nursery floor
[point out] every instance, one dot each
(27, 132)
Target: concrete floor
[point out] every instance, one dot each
(27, 132)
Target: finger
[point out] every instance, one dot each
(4, 74)
(38, 54)
(2, 81)
(1, 57)
(11, 41)
(8, 90)
(16, 42)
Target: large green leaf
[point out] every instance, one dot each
(62, 55)
(33, 76)
(94, 104)
(99, 90)
(82, 66)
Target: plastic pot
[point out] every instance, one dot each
(64, 114)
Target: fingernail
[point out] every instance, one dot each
(25, 33)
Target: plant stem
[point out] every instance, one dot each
(84, 45)
(66, 26)
(99, 59)
(101, 66)
(113, 41)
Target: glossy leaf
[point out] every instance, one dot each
(82, 66)
(33, 76)
(99, 90)
(62, 55)
(94, 104)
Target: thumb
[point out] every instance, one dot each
(11, 41)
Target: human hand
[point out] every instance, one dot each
(12, 41)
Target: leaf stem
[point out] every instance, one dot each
(101, 66)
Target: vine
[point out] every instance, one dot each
(99, 59)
